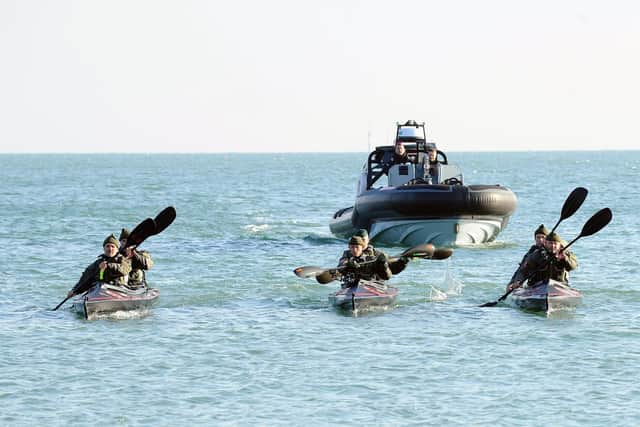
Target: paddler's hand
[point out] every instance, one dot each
(560, 256)
(129, 252)
(103, 266)
(70, 293)
(514, 285)
(352, 265)
(381, 259)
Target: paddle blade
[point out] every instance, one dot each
(325, 277)
(442, 253)
(494, 303)
(309, 271)
(63, 301)
(573, 202)
(420, 251)
(164, 219)
(139, 234)
(597, 222)
(489, 304)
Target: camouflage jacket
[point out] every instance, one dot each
(139, 261)
(374, 268)
(542, 266)
(517, 275)
(116, 273)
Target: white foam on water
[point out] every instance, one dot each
(436, 294)
(122, 315)
(452, 285)
(254, 228)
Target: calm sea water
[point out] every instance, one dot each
(237, 339)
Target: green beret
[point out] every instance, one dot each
(124, 234)
(541, 230)
(554, 237)
(362, 233)
(356, 240)
(111, 239)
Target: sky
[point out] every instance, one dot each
(317, 76)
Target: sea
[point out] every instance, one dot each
(237, 339)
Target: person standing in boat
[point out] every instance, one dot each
(549, 262)
(140, 262)
(539, 236)
(358, 265)
(110, 267)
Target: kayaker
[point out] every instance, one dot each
(110, 267)
(140, 261)
(549, 262)
(539, 236)
(396, 266)
(358, 265)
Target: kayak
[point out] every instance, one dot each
(366, 294)
(105, 299)
(547, 297)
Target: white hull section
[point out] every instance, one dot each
(440, 232)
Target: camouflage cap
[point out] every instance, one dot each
(554, 237)
(362, 233)
(124, 234)
(111, 239)
(541, 230)
(356, 240)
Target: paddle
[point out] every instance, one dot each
(326, 275)
(63, 301)
(572, 203)
(150, 227)
(164, 219)
(597, 222)
(140, 233)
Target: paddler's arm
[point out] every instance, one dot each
(567, 260)
(141, 260)
(90, 274)
(344, 258)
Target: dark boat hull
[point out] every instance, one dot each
(366, 295)
(105, 299)
(546, 297)
(438, 214)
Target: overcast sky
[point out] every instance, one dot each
(221, 76)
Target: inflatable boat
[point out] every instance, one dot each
(421, 198)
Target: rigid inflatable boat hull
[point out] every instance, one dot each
(439, 214)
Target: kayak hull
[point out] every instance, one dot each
(365, 295)
(546, 297)
(104, 299)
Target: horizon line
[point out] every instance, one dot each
(302, 152)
